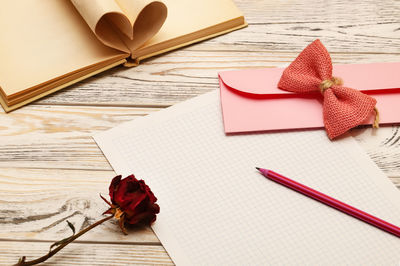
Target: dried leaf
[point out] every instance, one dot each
(72, 227)
(62, 241)
(106, 201)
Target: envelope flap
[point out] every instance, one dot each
(254, 81)
(363, 77)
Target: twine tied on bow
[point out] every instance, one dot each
(327, 83)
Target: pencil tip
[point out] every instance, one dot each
(258, 168)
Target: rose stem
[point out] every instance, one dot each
(54, 251)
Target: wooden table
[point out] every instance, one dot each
(52, 170)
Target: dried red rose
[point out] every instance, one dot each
(132, 201)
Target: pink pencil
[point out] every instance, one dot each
(341, 206)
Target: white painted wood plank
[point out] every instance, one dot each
(58, 136)
(86, 254)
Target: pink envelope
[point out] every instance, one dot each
(251, 100)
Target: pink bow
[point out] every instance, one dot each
(343, 108)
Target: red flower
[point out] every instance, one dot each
(132, 202)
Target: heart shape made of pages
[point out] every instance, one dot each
(123, 24)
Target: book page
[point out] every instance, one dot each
(189, 20)
(217, 209)
(42, 40)
(123, 24)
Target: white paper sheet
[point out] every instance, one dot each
(216, 209)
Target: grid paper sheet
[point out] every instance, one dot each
(216, 209)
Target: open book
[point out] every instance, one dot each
(46, 45)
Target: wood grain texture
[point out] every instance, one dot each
(342, 25)
(59, 136)
(51, 169)
(86, 254)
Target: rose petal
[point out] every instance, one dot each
(114, 186)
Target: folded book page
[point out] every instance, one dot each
(217, 209)
(123, 24)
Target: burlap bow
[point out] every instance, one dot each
(343, 108)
